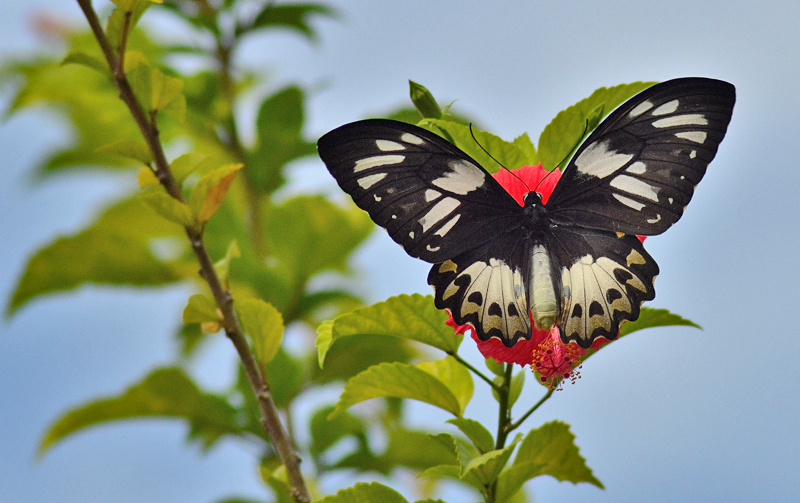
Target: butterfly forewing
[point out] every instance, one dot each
(637, 171)
(432, 198)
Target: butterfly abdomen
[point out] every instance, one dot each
(544, 306)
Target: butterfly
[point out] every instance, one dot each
(574, 262)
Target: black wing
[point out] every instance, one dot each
(431, 197)
(604, 279)
(637, 171)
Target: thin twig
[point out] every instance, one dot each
(271, 419)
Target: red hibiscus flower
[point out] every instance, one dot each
(551, 359)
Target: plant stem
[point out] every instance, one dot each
(475, 371)
(516, 424)
(270, 417)
(504, 413)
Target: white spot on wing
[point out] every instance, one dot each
(654, 220)
(410, 138)
(597, 160)
(637, 168)
(431, 194)
(695, 136)
(640, 109)
(682, 120)
(666, 108)
(370, 180)
(388, 146)
(634, 186)
(463, 179)
(692, 154)
(439, 211)
(376, 161)
(630, 203)
(443, 230)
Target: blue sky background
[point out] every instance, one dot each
(665, 415)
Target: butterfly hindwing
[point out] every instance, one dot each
(637, 171)
(486, 287)
(603, 278)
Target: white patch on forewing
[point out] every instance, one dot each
(695, 136)
(597, 160)
(654, 220)
(370, 180)
(439, 211)
(692, 154)
(432, 249)
(388, 145)
(634, 186)
(682, 120)
(640, 109)
(376, 161)
(431, 194)
(443, 230)
(666, 108)
(463, 178)
(636, 205)
(410, 138)
(637, 168)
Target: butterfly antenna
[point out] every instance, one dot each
(495, 160)
(585, 130)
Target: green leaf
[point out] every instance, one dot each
(210, 191)
(412, 317)
(130, 149)
(365, 493)
(286, 375)
(165, 393)
(140, 76)
(264, 324)
(553, 446)
(563, 135)
(116, 21)
(454, 375)
(168, 207)
(325, 432)
(514, 477)
(165, 89)
(417, 450)
(279, 125)
(184, 165)
(81, 58)
(517, 382)
(398, 380)
(114, 250)
(200, 309)
(352, 355)
(476, 432)
(222, 266)
(486, 467)
(650, 317)
(294, 17)
(309, 234)
(497, 368)
(424, 101)
(508, 154)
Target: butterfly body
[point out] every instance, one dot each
(574, 261)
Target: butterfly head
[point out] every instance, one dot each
(535, 210)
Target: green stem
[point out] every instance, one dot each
(475, 371)
(504, 413)
(516, 424)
